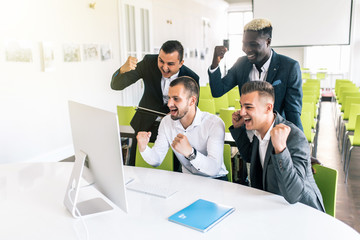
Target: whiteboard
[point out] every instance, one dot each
(306, 22)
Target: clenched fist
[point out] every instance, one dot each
(219, 53)
(279, 135)
(143, 139)
(129, 65)
(181, 145)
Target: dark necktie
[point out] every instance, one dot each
(259, 69)
(257, 175)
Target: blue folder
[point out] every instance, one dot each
(201, 215)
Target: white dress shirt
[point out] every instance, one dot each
(165, 84)
(254, 73)
(263, 143)
(206, 134)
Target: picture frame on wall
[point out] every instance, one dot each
(90, 52)
(105, 52)
(18, 51)
(71, 52)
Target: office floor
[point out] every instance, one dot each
(348, 195)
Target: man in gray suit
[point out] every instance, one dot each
(277, 150)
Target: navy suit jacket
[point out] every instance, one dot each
(148, 70)
(287, 173)
(284, 74)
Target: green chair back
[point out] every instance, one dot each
(125, 114)
(237, 104)
(227, 161)
(167, 164)
(354, 111)
(346, 96)
(305, 75)
(226, 116)
(356, 137)
(233, 94)
(339, 82)
(310, 107)
(205, 92)
(348, 101)
(345, 89)
(306, 120)
(207, 105)
(221, 102)
(321, 75)
(347, 92)
(326, 180)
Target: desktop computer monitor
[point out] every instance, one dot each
(98, 159)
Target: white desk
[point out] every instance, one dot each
(31, 207)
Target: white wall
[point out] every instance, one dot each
(355, 45)
(187, 26)
(34, 116)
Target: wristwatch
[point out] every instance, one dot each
(192, 156)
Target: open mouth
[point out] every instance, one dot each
(247, 120)
(251, 57)
(173, 111)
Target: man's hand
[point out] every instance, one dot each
(279, 135)
(181, 145)
(219, 53)
(237, 120)
(129, 65)
(142, 140)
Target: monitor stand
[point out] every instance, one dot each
(86, 207)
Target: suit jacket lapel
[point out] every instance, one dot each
(273, 68)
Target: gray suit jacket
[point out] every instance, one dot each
(288, 173)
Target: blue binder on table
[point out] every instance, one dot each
(201, 215)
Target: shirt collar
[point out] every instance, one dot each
(172, 77)
(267, 135)
(266, 65)
(196, 121)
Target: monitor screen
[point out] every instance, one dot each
(98, 156)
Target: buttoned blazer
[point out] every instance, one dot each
(288, 173)
(284, 74)
(152, 98)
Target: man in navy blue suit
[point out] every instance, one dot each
(264, 64)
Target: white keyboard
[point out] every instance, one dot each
(151, 189)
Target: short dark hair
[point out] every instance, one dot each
(264, 88)
(172, 46)
(190, 85)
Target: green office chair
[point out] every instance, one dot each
(167, 164)
(349, 127)
(207, 105)
(326, 180)
(125, 114)
(233, 94)
(227, 161)
(226, 116)
(205, 92)
(237, 104)
(221, 102)
(352, 143)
